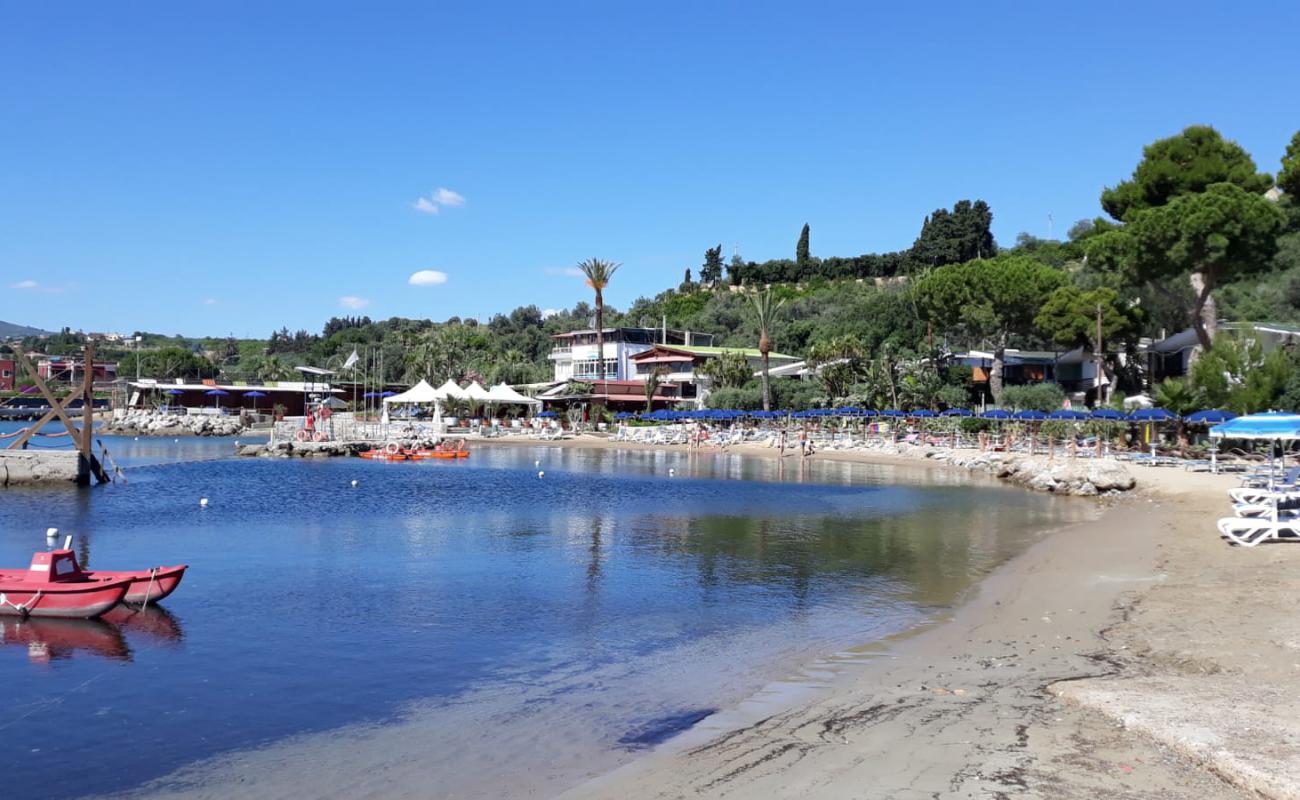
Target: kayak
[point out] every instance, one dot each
(383, 455)
(55, 586)
(420, 455)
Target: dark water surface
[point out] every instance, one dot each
(607, 597)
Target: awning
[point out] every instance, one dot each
(501, 393)
(665, 360)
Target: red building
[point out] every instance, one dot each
(69, 369)
(8, 374)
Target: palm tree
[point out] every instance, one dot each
(764, 312)
(598, 273)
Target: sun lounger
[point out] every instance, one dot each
(1250, 531)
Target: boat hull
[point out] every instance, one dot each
(80, 600)
(143, 589)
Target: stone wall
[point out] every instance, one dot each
(37, 466)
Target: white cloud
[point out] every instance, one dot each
(209, 301)
(446, 197)
(427, 277)
(30, 285)
(566, 272)
(353, 302)
(440, 198)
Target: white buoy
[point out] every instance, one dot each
(541, 473)
(537, 463)
(203, 502)
(177, 441)
(137, 438)
(354, 483)
(51, 533)
(672, 472)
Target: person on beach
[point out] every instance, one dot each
(803, 443)
(780, 441)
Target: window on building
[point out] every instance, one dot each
(587, 368)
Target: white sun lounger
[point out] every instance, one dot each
(1250, 531)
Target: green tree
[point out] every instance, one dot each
(711, 271)
(991, 298)
(801, 253)
(652, 379)
(735, 269)
(1289, 178)
(729, 370)
(1069, 317)
(598, 274)
(1194, 207)
(764, 314)
(953, 237)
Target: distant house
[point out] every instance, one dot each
(1171, 357)
(69, 369)
(8, 374)
(680, 364)
(628, 395)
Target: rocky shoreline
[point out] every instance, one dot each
(1081, 477)
(292, 449)
(153, 423)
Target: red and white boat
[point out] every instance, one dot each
(56, 586)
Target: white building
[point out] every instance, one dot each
(575, 354)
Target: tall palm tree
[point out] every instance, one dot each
(764, 312)
(598, 273)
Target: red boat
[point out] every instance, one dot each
(421, 455)
(54, 586)
(384, 455)
(60, 568)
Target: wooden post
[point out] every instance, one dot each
(87, 402)
(80, 439)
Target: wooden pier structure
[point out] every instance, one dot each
(16, 461)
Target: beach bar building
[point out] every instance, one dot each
(575, 358)
(679, 365)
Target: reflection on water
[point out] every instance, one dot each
(49, 639)
(599, 609)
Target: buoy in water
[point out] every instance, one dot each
(137, 438)
(51, 533)
(537, 463)
(203, 502)
(541, 473)
(354, 483)
(672, 472)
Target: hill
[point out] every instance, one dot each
(12, 330)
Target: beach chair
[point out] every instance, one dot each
(1251, 531)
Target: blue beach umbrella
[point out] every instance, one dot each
(1210, 416)
(893, 413)
(996, 413)
(957, 412)
(1152, 415)
(254, 394)
(1108, 414)
(547, 414)
(1067, 414)
(217, 394)
(370, 395)
(923, 413)
(387, 394)
(1029, 415)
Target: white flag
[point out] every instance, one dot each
(352, 359)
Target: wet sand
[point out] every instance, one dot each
(1135, 656)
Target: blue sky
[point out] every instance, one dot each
(212, 168)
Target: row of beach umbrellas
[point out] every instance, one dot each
(1208, 416)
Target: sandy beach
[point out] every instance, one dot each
(1132, 656)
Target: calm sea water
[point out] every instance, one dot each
(608, 601)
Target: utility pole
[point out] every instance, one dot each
(1097, 354)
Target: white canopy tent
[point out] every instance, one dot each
(419, 394)
(477, 393)
(502, 394)
(451, 391)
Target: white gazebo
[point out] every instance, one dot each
(501, 394)
(451, 391)
(419, 394)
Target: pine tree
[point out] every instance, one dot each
(801, 255)
(711, 272)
